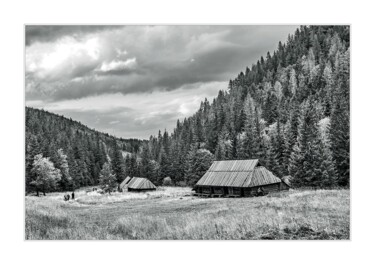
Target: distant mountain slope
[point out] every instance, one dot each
(86, 149)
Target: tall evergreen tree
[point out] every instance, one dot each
(107, 178)
(62, 164)
(199, 161)
(340, 139)
(118, 162)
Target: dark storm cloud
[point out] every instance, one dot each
(49, 33)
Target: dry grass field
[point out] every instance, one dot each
(172, 213)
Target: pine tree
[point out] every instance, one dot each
(247, 143)
(329, 177)
(340, 139)
(299, 163)
(291, 132)
(277, 151)
(292, 82)
(165, 166)
(32, 149)
(107, 178)
(199, 161)
(327, 93)
(147, 167)
(118, 162)
(65, 182)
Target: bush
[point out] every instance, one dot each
(181, 184)
(167, 181)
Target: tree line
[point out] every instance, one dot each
(72, 154)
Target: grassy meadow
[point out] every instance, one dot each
(172, 213)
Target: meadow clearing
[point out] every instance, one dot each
(172, 213)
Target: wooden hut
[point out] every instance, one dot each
(140, 184)
(124, 185)
(237, 178)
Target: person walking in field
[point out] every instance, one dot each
(73, 195)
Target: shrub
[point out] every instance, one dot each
(167, 181)
(181, 184)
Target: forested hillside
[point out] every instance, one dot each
(290, 110)
(77, 151)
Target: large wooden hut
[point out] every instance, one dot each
(237, 178)
(140, 184)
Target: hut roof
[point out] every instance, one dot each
(237, 173)
(141, 184)
(126, 181)
(234, 165)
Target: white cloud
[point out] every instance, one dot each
(59, 59)
(117, 65)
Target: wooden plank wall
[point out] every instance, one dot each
(206, 190)
(219, 190)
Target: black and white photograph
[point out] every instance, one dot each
(187, 132)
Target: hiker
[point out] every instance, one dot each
(73, 195)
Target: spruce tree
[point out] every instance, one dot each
(199, 161)
(340, 140)
(118, 162)
(277, 152)
(62, 164)
(107, 178)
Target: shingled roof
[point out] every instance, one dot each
(141, 184)
(237, 173)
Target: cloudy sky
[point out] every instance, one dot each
(131, 81)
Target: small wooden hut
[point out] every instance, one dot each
(238, 178)
(140, 184)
